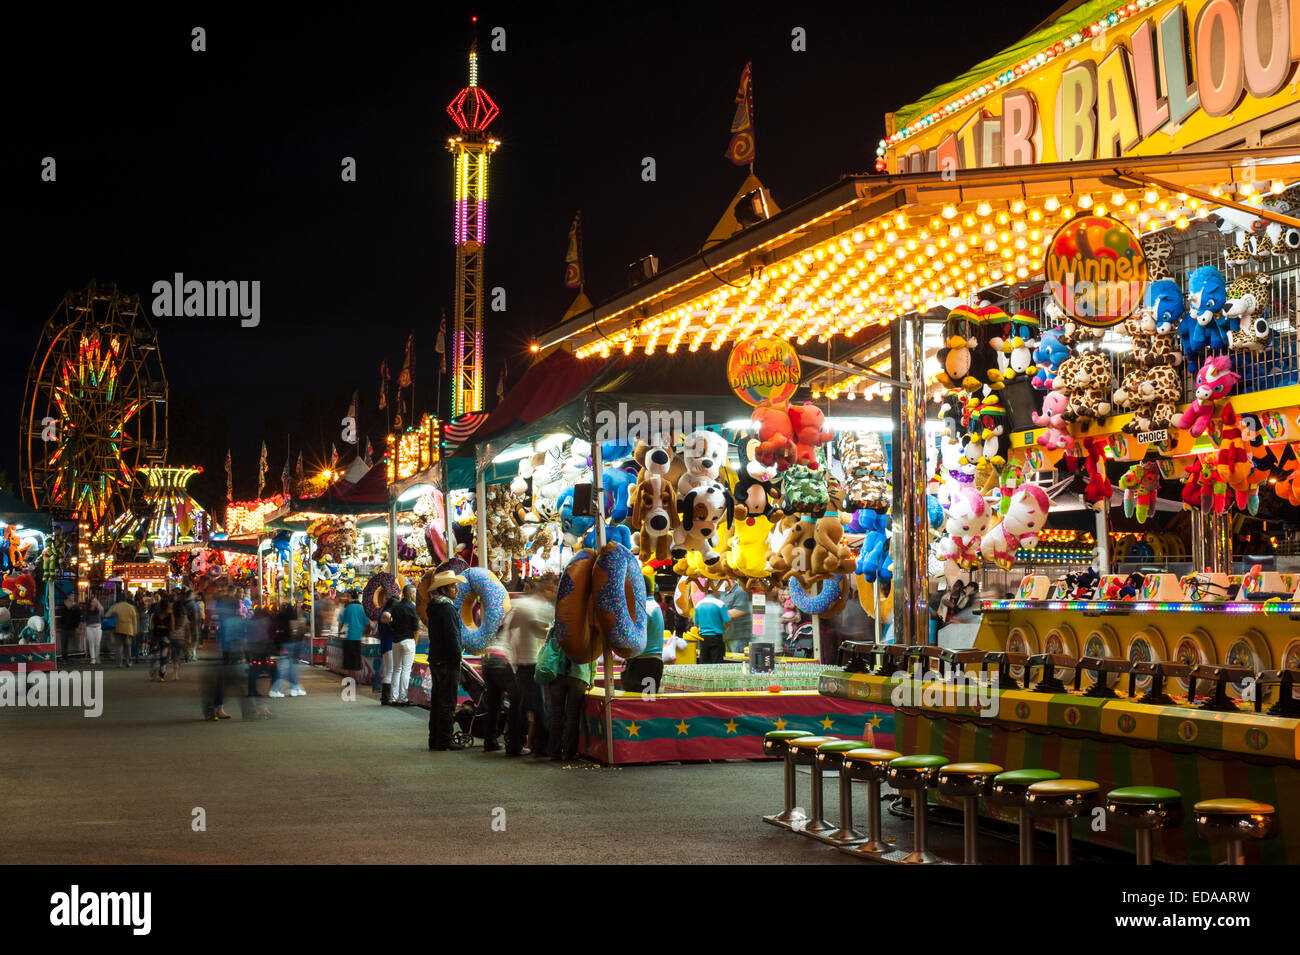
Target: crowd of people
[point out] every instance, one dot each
(163, 628)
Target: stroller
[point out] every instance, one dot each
(471, 713)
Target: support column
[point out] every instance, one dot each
(392, 537)
(480, 517)
(598, 499)
(1219, 527)
(910, 520)
(1199, 549)
(1103, 538)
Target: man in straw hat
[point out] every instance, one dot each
(444, 658)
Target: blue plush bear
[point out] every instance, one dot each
(618, 486)
(573, 526)
(874, 560)
(1207, 297)
(1165, 299)
(1049, 354)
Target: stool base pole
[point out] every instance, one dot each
(789, 817)
(1143, 846)
(1026, 838)
(970, 831)
(1236, 854)
(816, 823)
(919, 854)
(1063, 842)
(845, 834)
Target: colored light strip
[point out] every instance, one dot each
(1141, 606)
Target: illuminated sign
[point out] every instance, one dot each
(763, 369)
(1130, 84)
(414, 450)
(1096, 270)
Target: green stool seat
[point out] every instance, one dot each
(784, 734)
(1025, 777)
(1010, 790)
(920, 761)
(1145, 809)
(840, 746)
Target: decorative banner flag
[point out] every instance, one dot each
(742, 147)
(384, 379)
(298, 470)
(442, 345)
(261, 471)
(501, 384)
(334, 456)
(230, 482)
(405, 379)
(284, 475)
(369, 453)
(573, 277)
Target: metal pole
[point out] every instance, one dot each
(1199, 559)
(480, 515)
(392, 537)
(1222, 532)
(911, 602)
(1103, 538)
(598, 498)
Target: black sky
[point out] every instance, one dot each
(226, 165)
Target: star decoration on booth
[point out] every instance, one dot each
(875, 721)
(633, 729)
(730, 725)
(779, 723)
(827, 723)
(683, 727)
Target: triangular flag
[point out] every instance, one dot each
(405, 379)
(261, 471)
(573, 277)
(442, 345)
(742, 147)
(369, 453)
(230, 482)
(384, 379)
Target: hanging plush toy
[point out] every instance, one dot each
(830, 555)
(1247, 308)
(993, 332)
(955, 355)
(756, 481)
(805, 492)
(1152, 395)
(703, 508)
(862, 456)
(1086, 380)
(704, 453)
(1056, 435)
(1140, 484)
(1155, 327)
(1049, 354)
(654, 509)
(1157, 249)
(1237, 463)
(1092, 485)
(1214, 381)
(874, 561)
(1023, 522)
(967, 519)
(807, 421)
(771, 423)
(1018, 350)
(1207, 296)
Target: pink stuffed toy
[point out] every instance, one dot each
(807, 420)
(1020, 527)
(771, 422)
(1056, 436)
(1213, 381)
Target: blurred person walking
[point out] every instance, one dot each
(405, 626)
(444, 659)
(127, 625)
(529, 621)
(93, 616)
(567, 694)
(178, 639)
(290, 628)
(383, 680)
(69, 621)
(353, 625)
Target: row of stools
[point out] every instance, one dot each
(1034, 793)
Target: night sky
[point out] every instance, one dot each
(225, 165)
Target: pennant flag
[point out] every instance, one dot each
(742, 147)
(384, 379)
(405, 379)
(230, 482)
(501, 384)
(352, 408)
(334, 456)
(284, 476)
(401, 412)
(442, 345)
(573, 277)
(261, 471)
(369, 453)
(298, 470)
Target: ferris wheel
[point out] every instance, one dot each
(95, 406)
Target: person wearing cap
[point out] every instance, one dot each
(444, 659)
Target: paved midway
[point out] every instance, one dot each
(329, 781)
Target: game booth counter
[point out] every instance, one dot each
(30, 555)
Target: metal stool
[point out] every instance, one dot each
(1233, 820)
(868, 764)
(916, 774)
(777, 743)
(804, 753)
(830, 758)
(1145, 809)
(1062, 800)
(968, 781)
(1010, 790)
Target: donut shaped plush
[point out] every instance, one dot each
(822, 602)
(482, 602)
(619, 600)
(379, 588)
(573, 630)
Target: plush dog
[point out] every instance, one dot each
(798, 538)
(830, 555)
(654, 511)
(702, 508)
(704, 453)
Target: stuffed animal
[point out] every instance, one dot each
(1160, 318)
(830, 555)
(862, 457)
(874, 561)
(1018, 350)
(993, 333)
(1086, 380)
(967, 519)
(988, 420)
(1083, 585)
(654, 512)
(1214, 380)
(1244, 479)
(1097, 487)
(21, 589)
(705, 454)
(573, 526)
(1157, 249)
(1198, 483)
(1152, 395)
(1207, 296)
(807, 421)
(955, 355)
(952, 416)
(1049, 354)
(798, 536)
(702, 509)
(1140, 484)
(756, 481)
(1055, 435)
(771, 423)
(1023, 522)
(747, 555)
(805, 491)
(1247, 308)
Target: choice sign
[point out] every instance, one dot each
(1095, 270)
(763, 369)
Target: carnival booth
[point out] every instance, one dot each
(1145, 268)
(28, 552)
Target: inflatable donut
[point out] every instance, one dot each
(379, 588)
(619, 598)
(424, 589)
(482, 602)
(573, 630)
(829, 600)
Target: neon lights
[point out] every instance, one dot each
(1139, 606)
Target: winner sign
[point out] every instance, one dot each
(1096, 270)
